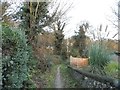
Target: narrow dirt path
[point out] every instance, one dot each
(58, 79)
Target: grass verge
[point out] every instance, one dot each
(112, 69)
(48, 77)
(69, 81)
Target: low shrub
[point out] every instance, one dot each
(99, 56)
(55, 59)
(74, 52)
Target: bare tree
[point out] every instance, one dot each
(59, 23)
(117, 14)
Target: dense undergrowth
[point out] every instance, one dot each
(48, 77)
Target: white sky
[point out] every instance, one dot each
(96, 12)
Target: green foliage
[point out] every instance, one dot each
(55, 59)
(74, 52)
(59, 36)
(80, 40)
(99, 56)
(32, 61)
(69, 81)
(0, 55)
(29, 84)
(28, 11)
(112, 69)
(15, 57)
(0, 71)
(64, 52)
(34, 16)
(48, 77)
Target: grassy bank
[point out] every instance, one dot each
(69, 81)
(48, 77)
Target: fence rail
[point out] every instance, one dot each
(103, 79)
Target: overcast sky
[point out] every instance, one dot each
(96, 12)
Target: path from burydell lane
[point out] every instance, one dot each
(58, 79)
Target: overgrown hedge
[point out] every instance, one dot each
(15, 57)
